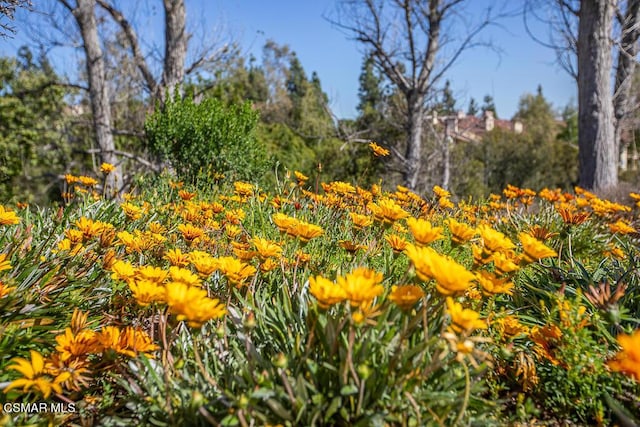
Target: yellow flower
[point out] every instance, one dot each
(266, 248)
(627, 360)
(387, 211)
(533, 249)
(236, 271)
(268, 265)
(441, 192)
(406, 296)
(5, 290)
(621, 227)
(350, 247)
(361, 285)
(492, 285)
(35, 376)
(4, 263)
(132, 211)
(87, 181)
(360, 221)
(78, 345)
(423, 232)
(460, 232)
(203, 262)
(146, 291)
(177, 258)
(151, 273)
(189, 232)
(122, 270)
(129, 342)
(243, 189)
(305, 231)
(546, 339)
(503, 263)
(192, 304)
(107, 168)
(183, 275)
(326, 292)
(284, 222)
(510, 326)
(445, 203)
(186, 195)
(494, 241)
(302, 178)
(378, 151)
(450, 276)
(8, 217)
(397, 243)
(463, 320)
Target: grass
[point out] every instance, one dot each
(330, 306)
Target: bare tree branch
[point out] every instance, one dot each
(132, 38)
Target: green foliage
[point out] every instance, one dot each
(200, 138)
(32, 145)
(543, 155)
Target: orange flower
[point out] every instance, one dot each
(177, 258)
(4, 263)
(534, 249)
(378, 151)
(621, 227)
(460, 232)
(406, 296)
(189, 232)
(35, 376)
(78, 345)
(397, 243)
(129, 341)
(361, 285)
(305, 231)
(627, 360)
(266, 248)
(387, 211)
(450, 276)
(463, 320)
(360, 221)
(107, 168)
(423, 232)
(8, 217)
(494, 241)
(236, 271)
(192, 304)
(492, 285)
(326, 292)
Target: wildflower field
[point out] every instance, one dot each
(320, 304)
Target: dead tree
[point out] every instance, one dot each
(409, 42)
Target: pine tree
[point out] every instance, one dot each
(473, 107)
(489, 105)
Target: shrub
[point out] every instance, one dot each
(197, 139)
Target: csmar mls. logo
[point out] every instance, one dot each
(39, 407)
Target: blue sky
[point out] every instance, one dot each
(521, 67)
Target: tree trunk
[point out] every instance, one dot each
(597, 148)
(175, 52)
(625, 71)
(84, 14)
(414, 143)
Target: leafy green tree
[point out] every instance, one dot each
(489, 105)
(201, 138)
(32, 144)
(447, 102)
(473, 108)
(543, 155)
